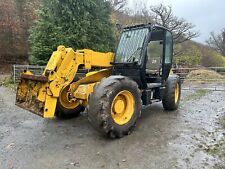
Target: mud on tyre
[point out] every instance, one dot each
(114, 106)
(172, 93)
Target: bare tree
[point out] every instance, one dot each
(117, 5)
(217, 42)
(181, 29)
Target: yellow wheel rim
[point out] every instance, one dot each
(177, 92)
(65, 101)
(122, 108)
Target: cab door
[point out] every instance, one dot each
(167, 54)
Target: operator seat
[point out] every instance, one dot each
(154, 53)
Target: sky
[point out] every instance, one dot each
(206, 15)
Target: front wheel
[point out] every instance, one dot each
(172, 93)
(114, 106)
(65, 107)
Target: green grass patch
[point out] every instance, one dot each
(217, 149)
(222, 121)
(197, 94)
(8, 82)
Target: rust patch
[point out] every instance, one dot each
(39, 78)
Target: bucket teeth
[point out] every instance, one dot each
(27, 93)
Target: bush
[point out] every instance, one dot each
(190, 57)
(78, 24)
(192, 54)
(212, 59)
(8, 82)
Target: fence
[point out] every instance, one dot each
(215, 84)
(182, 72)
(17, 69)
(211, 87)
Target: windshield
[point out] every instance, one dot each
(130, 45)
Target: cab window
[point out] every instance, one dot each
(168, 47)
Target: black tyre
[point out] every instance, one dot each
(114, 106)
(66, 109)
(172, 93)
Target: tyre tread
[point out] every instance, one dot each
(98, 111)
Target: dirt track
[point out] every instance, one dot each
(179, 139)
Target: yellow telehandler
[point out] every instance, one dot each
(112, 87)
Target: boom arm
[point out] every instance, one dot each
(39, 94)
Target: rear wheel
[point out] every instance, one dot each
(172, 93)
(67, 108)
(114, 106)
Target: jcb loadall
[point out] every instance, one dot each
(112, 87)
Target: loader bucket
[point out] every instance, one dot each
(28, 91)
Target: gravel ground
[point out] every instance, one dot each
(162, 140)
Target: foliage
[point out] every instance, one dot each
(191, 53)
(190, 57)
(8, 82)
(217, 42)
(212, 59)
(77, 24)
(15, 19)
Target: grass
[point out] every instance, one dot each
(217, 149)
(8, 82)
(222, 121)
(197, 95)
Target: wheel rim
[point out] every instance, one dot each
(65, 101)
(177, 91)
(122, 108)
